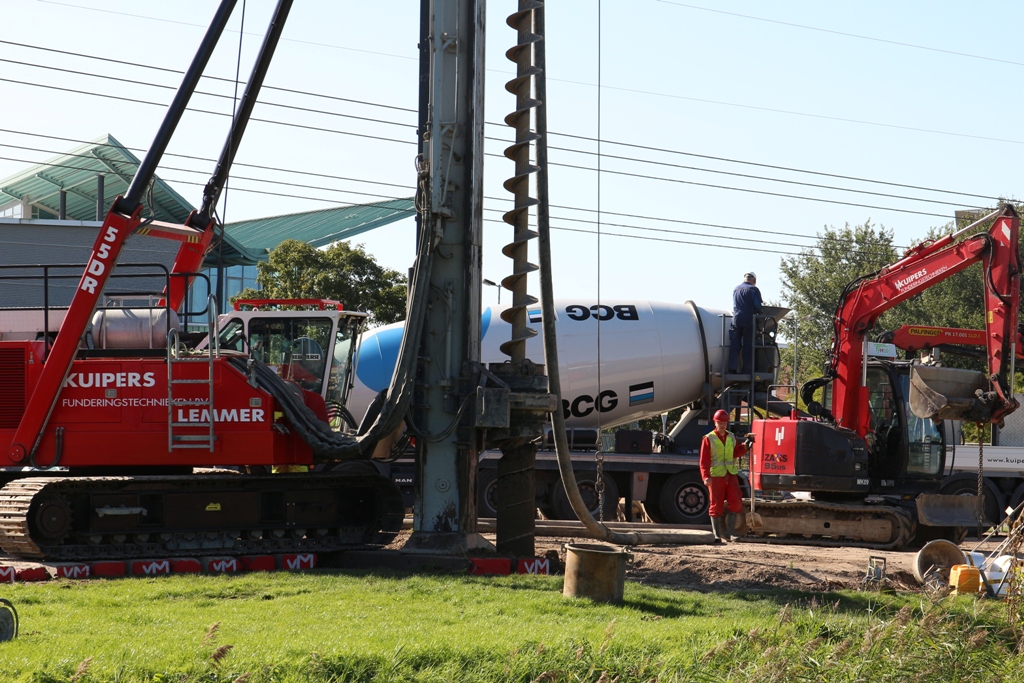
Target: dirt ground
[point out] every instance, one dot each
(750, 566)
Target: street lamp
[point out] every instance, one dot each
(491, 283)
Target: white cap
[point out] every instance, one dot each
(749, 276)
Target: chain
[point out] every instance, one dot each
(981, 476)
(599, 483)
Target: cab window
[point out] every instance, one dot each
(924, 440)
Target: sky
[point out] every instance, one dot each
(720, 123)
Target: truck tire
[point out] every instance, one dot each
(684, 500)
(1016, 498)
(967, 485)
(562, 509)
(487, 493)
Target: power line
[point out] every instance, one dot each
(774, 180)
(772, 166)
(409, 188)
(493, 123)
(182, 156)
(208, 94)
(741, 240)
(504, 199)
(207, 111)
(413, 142)
(843, 33)
(727, 187)
(686, 98)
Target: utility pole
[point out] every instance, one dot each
(450, 221)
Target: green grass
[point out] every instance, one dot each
(345, 626)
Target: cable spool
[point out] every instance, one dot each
(8, 621)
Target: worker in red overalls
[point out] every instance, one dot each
(719, 464)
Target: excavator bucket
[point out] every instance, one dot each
(948, 393)
(935, 509)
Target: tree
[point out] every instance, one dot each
(296, 270)
(813, 281)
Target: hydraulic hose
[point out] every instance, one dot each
(326, 443)
(595, 528)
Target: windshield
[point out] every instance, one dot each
(924, 439)
(292, 347)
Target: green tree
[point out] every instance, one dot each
(296, 270)
(812, 283)
(814, 280)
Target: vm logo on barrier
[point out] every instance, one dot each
(303, 561)
(77, 571)
(229, 564)
(151, 567)
(7, 574)
(539, 565)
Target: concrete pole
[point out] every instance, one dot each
(452, 151)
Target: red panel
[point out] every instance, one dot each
(259, 563)
(12, 387)
(33, 574)
(535, 565)
(7, 574)
(186, 566)
(110, 568)
(490, 565)
(774, 448)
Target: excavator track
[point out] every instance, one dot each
(86, 518)
(797, 522)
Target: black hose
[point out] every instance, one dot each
(326, 443)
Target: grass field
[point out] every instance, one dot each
(346, 626)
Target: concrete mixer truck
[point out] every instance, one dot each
(652, 357)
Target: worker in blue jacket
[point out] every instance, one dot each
(746, 302)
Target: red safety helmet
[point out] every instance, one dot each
(721, 416)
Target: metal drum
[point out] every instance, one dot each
(595, 571)
(131, 328)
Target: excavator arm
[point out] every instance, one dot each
(914, 338)
(864, 300)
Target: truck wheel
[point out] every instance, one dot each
(1016, 498)
(487, 493)
(585, 481)
(684, 500)
(967, 485)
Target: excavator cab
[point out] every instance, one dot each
(312, 348)
(901, 444)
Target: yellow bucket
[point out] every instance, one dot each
(965, 578)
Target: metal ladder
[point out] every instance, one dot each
(175, 438)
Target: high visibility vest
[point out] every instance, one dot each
(721, 455)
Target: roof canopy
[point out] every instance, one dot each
(250, 241)
(245, 242)
(75, 172)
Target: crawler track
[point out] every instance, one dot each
(82, 518)
(833, 524)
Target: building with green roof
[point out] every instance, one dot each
(51, 211)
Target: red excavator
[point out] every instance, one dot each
(872, 452)
(103, 425)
